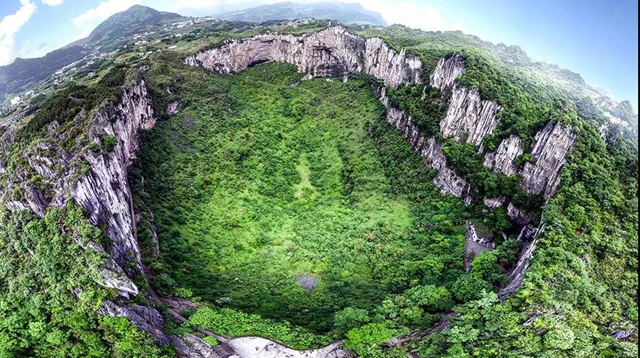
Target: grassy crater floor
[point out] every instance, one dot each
(292, 199)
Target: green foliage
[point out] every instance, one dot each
(48, 292)
(230, 322)
(349, 318)
(210, 340)
(423, 103)
(469, 288)
(320, 197)
(364, 340)
(430, 297)
(486, 267)
(582, 277)
(109, 142)
(65, 104)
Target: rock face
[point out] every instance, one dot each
(146, 318)
(174, 107)
(104, 190)
(256, 347)
(319, 54)
(468, 118)
(549, 151)
(445, 73)
(503, 158)
(526, 254)
(101, 187)
(431, 150)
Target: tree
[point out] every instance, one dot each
(364, 340)
(430, 297)
(469, 287)
(349, 318)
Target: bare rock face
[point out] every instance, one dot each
(517, 215)
(494, 202)
(548, 156)
(146, 318)
(319, 54)
(256, 347)
(395, 69)
(504, 156)
(174, 107)
(190, 346)
(524, 261)
(468, 117)
(447, 180)
(97, 181)
(104, 190)
(431, 150)
(445, 73)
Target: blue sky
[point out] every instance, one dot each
(596, 38)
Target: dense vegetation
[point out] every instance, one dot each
(264, 183)
(49, 294)
(583, 283)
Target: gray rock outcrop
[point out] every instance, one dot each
(503, 158)
(468, 118)
(104, 191)
(97, 181)
(318, 54)
(431, 150)
(446, 72)
(548, 156)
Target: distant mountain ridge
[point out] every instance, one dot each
(19, 74)
(128, 22)
(346, 13)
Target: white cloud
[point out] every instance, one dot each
(52, 2)
(9, 27)
(88, 20)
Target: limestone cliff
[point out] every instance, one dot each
(468, 117)
(542, 176)
(323, 53)
(97, 180)
(446, 72)
(505, 155)
(431, 150)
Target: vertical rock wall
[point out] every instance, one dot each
(542, 175)
(503, 158)
(97, 181)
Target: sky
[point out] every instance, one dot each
(596, 38)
